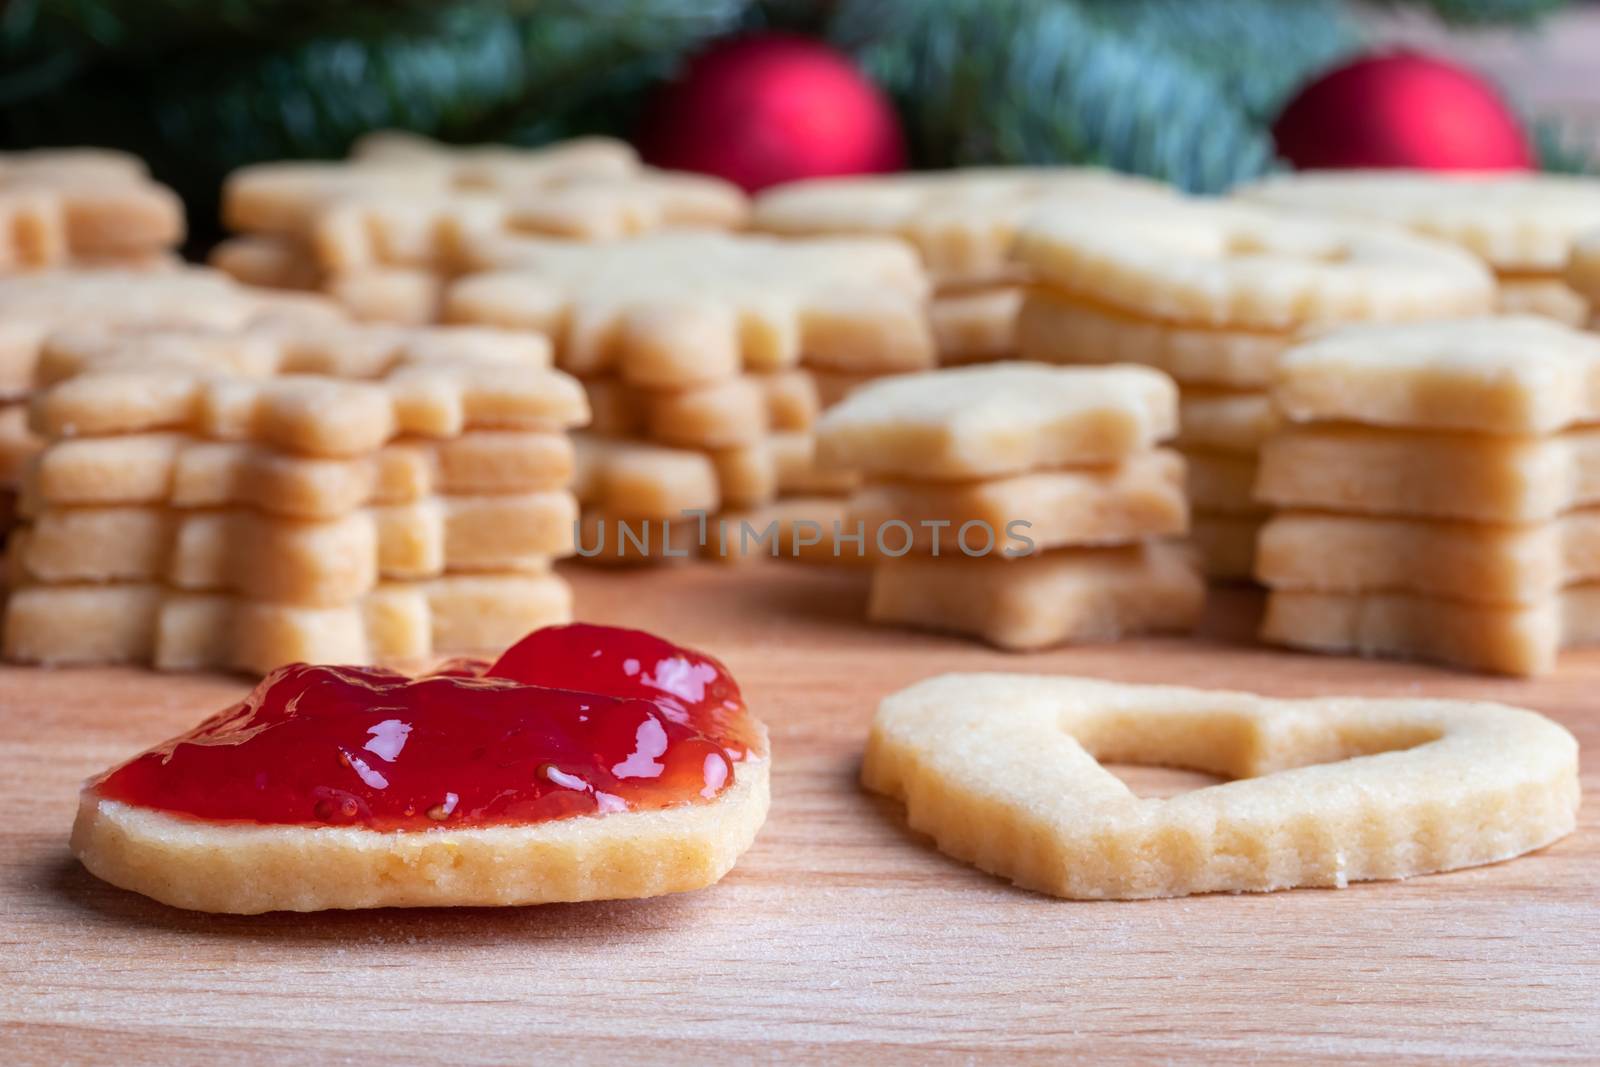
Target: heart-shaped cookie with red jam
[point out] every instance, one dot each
(1003, 771)
(586, 763)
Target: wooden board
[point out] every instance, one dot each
(840, 936)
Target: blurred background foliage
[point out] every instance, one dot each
(1182, 89)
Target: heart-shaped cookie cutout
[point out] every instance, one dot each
(1003, 771)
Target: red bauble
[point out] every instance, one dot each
(1402, 109)
(771, 108)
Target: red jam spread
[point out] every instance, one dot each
(572, 720)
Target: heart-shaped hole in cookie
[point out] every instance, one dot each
(1158, 764)
(1005, 771)
(1153, 782)
(1227, 744)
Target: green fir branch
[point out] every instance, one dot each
(1040, 81)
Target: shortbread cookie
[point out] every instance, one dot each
(976, 326)
(1222, 484)
(1582, 270)
(1217, 263)
(186, 472)
(1368, 470)
(406, 296)
(616, 409)
(795, 456)
(962, 222)
(478, 612)
(1504, 375)
(379, 211)
(585, 188)
(405, 229)
(69, 351)
(53, 217)
(498, 166)
(325, 564)
(1483, 563)
(1224, 420)
(284, 307)
(440, 231)
(1515, 222)
(480, 461)
(418, 818)
(107, 165)
(997, 419)
(127, 297)
(1227, 545)
(273, 344)
(1052, 598)
(283, 198)
(733, 413)
(1517, 639)
(312, 415)
(747, 475)
(172, 630)
(834, 385)
(627, 479)
(724, 414)
(268, 262)
(674, 310)
(792, 399)
(32, 305)
(1141, 497)
(1546, 295)
(459, 534)
(163, 260)
(1053, 328)
(314, 563)
(18, 445)
(1004, 771)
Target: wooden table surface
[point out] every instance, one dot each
(841, 935)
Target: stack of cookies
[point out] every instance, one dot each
(243, 498)
(1023, 504)
(1521, 225)
(63, 213)
(1438, 488)
(1582, 273)
(84, 207)
(1213, 293)
(34, 304)
(642, 503)
(962, 223)
(382, 231)
(695, 349)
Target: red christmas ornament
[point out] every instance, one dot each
(1402, 109)
(771, 108)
